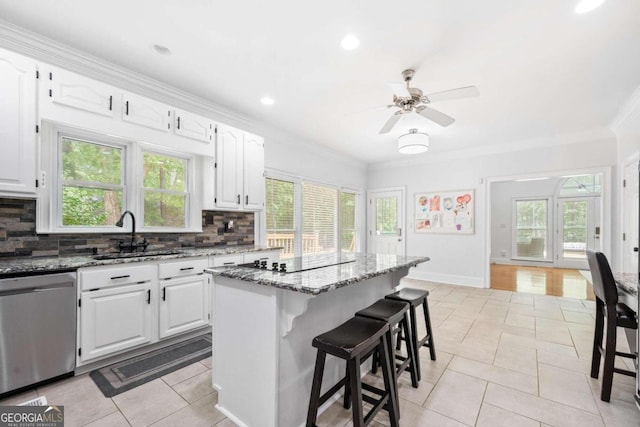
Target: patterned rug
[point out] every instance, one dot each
(122, 376)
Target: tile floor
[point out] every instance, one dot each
(504, 359)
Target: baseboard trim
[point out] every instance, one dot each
(449, 279)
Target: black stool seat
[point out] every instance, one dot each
(416, 297)
(626, 317)
(354, 341)
(410, 295)
(395, 313)
(355, 336)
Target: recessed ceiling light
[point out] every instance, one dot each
(350, 42)
(585, 6)
(161, 50)
(266, 100)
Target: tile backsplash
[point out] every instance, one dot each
(18, 236)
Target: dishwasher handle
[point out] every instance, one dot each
(28, 290)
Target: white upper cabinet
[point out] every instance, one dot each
(194, 126)
(146, 112)
(17, 124)
(239, 170)
(73, 90)
(229, 167)
(253, 172)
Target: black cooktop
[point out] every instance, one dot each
(303, 263)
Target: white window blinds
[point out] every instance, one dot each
(280, 211)
(319, 218)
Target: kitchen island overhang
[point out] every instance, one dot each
(263, 324)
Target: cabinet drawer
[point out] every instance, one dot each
(190, 266)
(222, 260)
(117, 275)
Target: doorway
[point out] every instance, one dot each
(385, 221)
(630, 194)
(578, 230)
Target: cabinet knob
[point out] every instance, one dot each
(238, 199)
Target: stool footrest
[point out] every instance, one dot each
(333, 390)
(629, 355)
(624, 372)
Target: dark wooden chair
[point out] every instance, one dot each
(415, 298)
(354, 341)
(616, 314)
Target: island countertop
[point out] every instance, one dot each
(323, 279)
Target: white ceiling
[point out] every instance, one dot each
(541, 69)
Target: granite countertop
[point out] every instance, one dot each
(27, 266)
(628, 281)
(364, 266)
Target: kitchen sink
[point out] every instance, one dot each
(121, 255)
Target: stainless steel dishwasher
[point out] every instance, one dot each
(37, 329)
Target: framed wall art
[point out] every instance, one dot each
(450, 212)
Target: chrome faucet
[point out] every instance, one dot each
(133, 245)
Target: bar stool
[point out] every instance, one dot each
(354, 341)
(395, 313)
(415, 297)
(617, 314)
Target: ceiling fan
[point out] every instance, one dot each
(409, 99)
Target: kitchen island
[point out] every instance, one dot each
(264, 322)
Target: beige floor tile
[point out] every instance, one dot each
(578, 317)
(16, 399)
(185, 373)
(571, 363)
(618, 413)
(468, 392)
(509, 339)
(416, 416)
(522, 298)
(475, 352)
(622, 389)
(207, 362)
(199, 414)
(334, 416)
(83, 401)
(195, 388)
(492, 416)
(520, 320)
(550, 334)
(567, 387)
(149, 403)
(226, 423)
(115, 419)
(454, 328)
(405, 390)
(521, 359)
(537, 408)
(495, 374)
(430, 370)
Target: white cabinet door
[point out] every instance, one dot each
(115, 319)
(194, 126)
(73, 90)
(228, 170)
(17, 124)
(146, 112)
(253, 166)
(184, 304)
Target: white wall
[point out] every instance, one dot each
(463, 259)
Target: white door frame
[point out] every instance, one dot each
(631, 161)
(605, 217)
(401, 217)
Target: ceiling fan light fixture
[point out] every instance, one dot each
(161, 50)
(267, 100)
(350, 42)
(585, 6)
(413, 142)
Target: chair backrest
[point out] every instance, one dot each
(604, 285)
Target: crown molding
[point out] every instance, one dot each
(601, 134)
(43, 49)
(632, 105)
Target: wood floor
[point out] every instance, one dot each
(560, 282)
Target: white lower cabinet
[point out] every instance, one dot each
(115, 319)
(183, 304)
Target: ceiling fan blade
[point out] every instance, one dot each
(391, 122)
(436, 116)
(400, 89)
(461, 92)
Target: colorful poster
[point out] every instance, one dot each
(445, 212)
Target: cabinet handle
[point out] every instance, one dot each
(120, 277)
(238, 199)
(164, 294)
(178, 122)
(186, 268)
(148, 296)
(246, 199)
(229, 263)
(126, 108)
(110, 102)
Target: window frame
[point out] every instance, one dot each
(49, 192)
(549, 241)
(189, 187)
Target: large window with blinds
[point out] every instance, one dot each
(305, 217)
